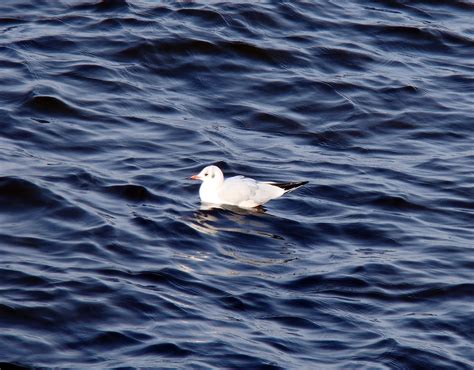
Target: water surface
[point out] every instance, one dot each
(107, 258)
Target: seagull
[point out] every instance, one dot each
(239, 191)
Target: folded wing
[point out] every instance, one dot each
(245, 192)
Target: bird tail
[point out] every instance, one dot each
(288, 186)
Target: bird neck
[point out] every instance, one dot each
(208, 191)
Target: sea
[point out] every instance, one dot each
(109, 260)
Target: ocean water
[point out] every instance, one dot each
(107, 258)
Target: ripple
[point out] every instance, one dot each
(50, 105)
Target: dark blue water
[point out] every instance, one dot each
(107, 259)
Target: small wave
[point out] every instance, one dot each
(136, 193)
(51, 105)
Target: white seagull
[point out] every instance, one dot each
(239, 191)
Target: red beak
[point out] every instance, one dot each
(195, 177)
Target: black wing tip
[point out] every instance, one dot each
(288, 186)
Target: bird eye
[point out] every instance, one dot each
(205, 174)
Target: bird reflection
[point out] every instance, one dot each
(231, 225)
(211, 219)
(234, 209)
